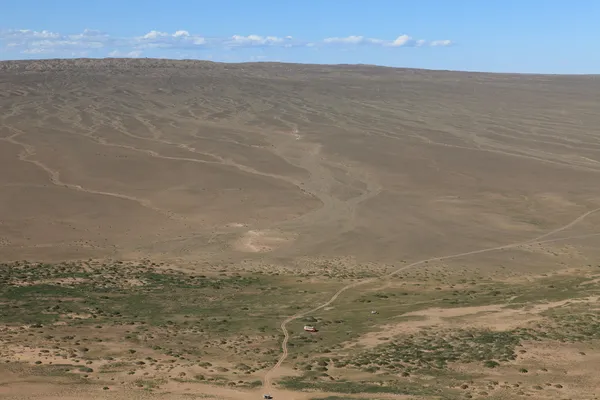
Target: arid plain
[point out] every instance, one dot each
(168, 227)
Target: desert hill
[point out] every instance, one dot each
(168, 229)
(188, 159)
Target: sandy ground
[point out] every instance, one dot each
(13, 386)
(193, 160)
(272, 163)
(495, 317)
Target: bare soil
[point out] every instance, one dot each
(341, 182)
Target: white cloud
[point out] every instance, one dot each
(81, 44)
(93, 32)
(179, 40)
(97, 43)
(181, 33)
(47, 50)
(441, 43)
(131, 54)
(154, 35)
(28, 33)
(256, 40)
(37, 51)
(401, 41)
(89, 33)
(27, 41)
(349, 39)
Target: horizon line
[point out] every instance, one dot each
(135, 59)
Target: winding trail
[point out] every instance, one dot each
(538, 239)
(54, 177)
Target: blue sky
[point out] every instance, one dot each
(551, 36)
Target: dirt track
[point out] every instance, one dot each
(539, 239)
(280, 167)
(374, 164)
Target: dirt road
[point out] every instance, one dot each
(539, 239)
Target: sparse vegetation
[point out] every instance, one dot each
(435, 350)
(231, 197)
(102, 307)
(80, 311)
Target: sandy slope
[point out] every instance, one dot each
(187, 159)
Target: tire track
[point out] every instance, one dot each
(29, 151)
(219, 160)
(500, 150)
(538, 239)
(335, 216)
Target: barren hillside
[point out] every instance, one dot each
(192, 159)
(168, 228)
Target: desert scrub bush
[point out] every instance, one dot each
(437, 350)
(323, 384)
(491, 364)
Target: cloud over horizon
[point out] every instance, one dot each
(31, 42)
(400, 41)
